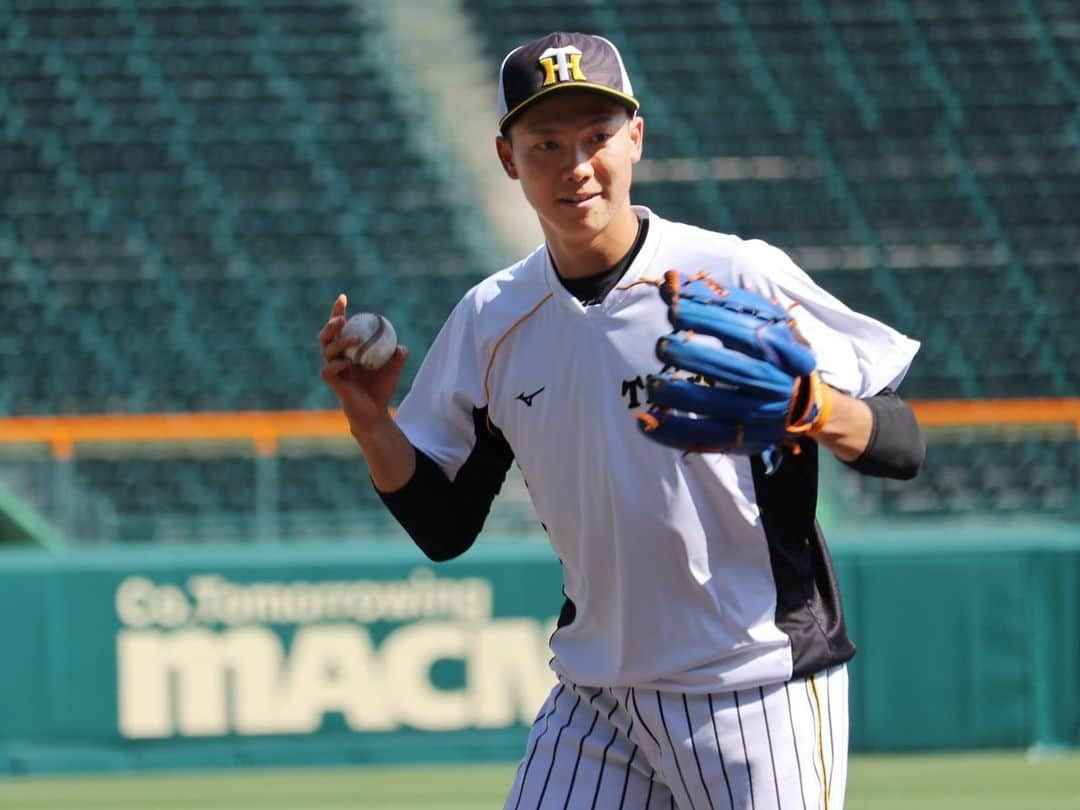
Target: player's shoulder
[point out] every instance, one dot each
(511, 289)
(694, 239)
(502, 298)
(765, 254)
(691, 248)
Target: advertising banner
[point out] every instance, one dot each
(367, 649)
(157, 657)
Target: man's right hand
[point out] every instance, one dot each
(364, 394)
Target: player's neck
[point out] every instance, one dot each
(580, 259)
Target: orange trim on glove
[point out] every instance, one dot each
(810, 396)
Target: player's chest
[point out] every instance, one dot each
(565, 370)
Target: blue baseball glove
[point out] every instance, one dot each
(757, 390)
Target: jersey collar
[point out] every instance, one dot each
(635, 272)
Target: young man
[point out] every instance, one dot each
(701, 648)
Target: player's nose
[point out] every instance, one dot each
(579, 164)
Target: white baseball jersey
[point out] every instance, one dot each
(694, 573)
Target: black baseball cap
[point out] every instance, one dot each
(561, 61)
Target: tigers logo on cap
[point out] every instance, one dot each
(562, 65)
(561, 61)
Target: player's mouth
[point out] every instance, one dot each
(579, 200)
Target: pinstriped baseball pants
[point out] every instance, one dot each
(778, 747)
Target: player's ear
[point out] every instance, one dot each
(506, 156)
(637, 137)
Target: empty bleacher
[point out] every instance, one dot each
(988, 478)
(184, 187)
(207, 498)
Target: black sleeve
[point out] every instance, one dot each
(443, 517)
(896, 448)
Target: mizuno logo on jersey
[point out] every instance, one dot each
(528, 398)
(561, 65)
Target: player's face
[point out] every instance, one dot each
(573, 154)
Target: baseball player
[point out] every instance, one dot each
(664, 390)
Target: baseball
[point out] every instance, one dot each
(377, 340)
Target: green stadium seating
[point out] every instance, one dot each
(213, 498)
(209, 493)
(966, 477)
(184, 187)
(207, 177)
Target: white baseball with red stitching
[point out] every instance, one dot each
(377, 340)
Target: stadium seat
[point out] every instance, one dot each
(186, 186)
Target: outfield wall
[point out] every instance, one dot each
(262, 655)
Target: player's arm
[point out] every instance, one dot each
(876, 436)
(443, 517)
(764, 386)
(365, 397)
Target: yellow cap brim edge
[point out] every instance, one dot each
(571, 85)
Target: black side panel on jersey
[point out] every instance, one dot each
(808, 605)
(443, 517)
(567, 613)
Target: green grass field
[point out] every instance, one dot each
(956, 782)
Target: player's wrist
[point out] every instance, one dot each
(847, 428)
(367, 430)
(391, 458)
(811, 406)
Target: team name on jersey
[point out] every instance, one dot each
(631, 387)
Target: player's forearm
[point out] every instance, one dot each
(847, 431)
(878, 436)
(390, 457)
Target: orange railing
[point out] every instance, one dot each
(265, 429)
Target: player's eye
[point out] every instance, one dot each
(600, 137)
(546, 146)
